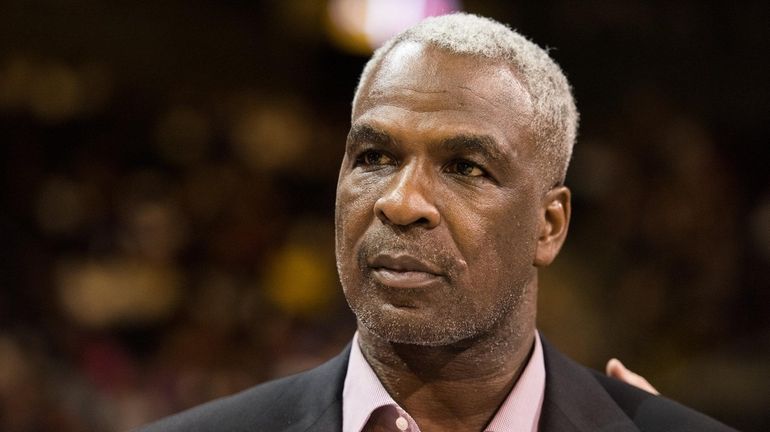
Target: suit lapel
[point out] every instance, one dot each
(330, 419)
(319, 402)
(574, 401)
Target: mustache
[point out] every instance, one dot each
(418, 244)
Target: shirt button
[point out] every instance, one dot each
(402, 424)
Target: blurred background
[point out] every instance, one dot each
(168, 175)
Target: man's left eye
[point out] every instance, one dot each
(465, 168)
(374, 158)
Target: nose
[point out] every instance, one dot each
(408, 201)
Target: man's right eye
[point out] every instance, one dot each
(374, 158)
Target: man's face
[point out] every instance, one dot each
(439, 203)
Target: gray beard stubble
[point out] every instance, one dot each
(458, 322)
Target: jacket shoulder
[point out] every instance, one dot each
(294, 403)
(580, 399)
(656, 413)
(255, 407)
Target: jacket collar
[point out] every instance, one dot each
(319, 397)
(575, 400)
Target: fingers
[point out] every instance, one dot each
(615, 369)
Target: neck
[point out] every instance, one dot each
(454, 387)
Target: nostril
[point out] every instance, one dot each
(381, 215)
(407, 204)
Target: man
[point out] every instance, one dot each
(450, 198)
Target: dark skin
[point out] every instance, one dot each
(443, 218)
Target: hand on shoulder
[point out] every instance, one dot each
(616, 369)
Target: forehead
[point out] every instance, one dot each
(446, 89)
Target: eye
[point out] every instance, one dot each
(374, 158)
(465, 168)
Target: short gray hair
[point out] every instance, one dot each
(555, 117)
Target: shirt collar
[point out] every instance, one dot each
(521, 409)
(363, 393)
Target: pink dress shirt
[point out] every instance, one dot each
(367, 406)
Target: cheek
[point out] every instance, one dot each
(354, 210)
(492, 236)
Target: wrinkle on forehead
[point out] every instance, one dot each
(424, 79)
(415, 68)
(478, 95)
(380, 91)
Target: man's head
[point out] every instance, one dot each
(554, 119)
(449, 195)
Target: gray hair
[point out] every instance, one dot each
(555, 117)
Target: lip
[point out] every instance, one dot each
(404, 271)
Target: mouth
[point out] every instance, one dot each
(404, 271)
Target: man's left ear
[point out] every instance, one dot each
(554, 221)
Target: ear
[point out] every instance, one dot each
(554, 221)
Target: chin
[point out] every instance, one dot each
(413, 327)
(411, 337)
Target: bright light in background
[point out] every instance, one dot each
(362, 25)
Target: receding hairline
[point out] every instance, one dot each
(374, 70)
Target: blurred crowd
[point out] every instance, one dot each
(168, 177)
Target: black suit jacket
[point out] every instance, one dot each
(576, 399)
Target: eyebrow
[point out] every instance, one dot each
(484, 145)
(367, 133)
